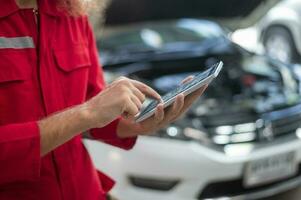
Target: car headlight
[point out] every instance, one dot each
(239, 133)
(185, 134)
(220, 135)
(172, 132)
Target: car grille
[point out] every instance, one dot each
(286, 125)
(235, 187)
(267, 127)
(280, 123)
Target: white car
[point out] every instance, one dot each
(179, 170)
(252, 152)
(280, 31)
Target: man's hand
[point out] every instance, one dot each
(162, 117)
(123, 97)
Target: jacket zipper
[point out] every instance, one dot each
(36, 33)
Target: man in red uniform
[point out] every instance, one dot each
(51, 91)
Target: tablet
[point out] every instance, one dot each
(197, 82)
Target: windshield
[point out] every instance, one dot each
(158, 36)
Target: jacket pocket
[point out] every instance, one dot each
(73, 67)
(75, 57)
(14, 66)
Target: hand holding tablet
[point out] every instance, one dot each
(199, 80)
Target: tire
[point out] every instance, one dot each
(279, 44)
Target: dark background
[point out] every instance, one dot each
(146, 10)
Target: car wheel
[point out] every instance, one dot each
(280, 45)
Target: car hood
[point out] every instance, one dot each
(249, 84)
(233, 14)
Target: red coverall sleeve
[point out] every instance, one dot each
(19, 152)
(108, 133)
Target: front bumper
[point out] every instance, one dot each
(194, 165)
(270, 191)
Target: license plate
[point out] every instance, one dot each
(270, 169)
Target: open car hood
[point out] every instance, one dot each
(233, 14)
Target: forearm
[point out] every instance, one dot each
(57, 129)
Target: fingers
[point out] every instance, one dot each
(137, 102)
(196, 94)
(133, 97)
(148, 91)
(142, 89)
(187, 79)
(155, 122)
(159, 114)
(191, 98)
(138, 94)
(202, 89)
(131, 109)
(175, 110)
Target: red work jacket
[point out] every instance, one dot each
(43, 71)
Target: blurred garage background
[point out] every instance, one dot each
(242, 139)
